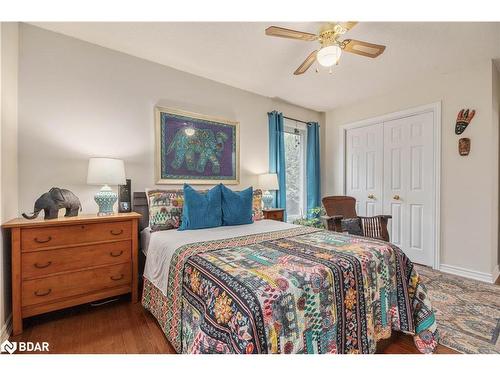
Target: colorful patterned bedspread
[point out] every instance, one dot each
(301, 290)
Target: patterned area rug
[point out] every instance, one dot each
(467, 311)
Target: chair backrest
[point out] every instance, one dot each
(340, 205)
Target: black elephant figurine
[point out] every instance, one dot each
(52, 201)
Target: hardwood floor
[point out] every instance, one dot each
(116, 327)
(122, 327)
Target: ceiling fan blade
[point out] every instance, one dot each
(306, 64)
(362, 48)
(348, 25)
(288, 33)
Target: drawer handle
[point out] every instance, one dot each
(43, 241)
(114, 255)
(37, 265)
(42, 294)
(116, 233)
(116, 278)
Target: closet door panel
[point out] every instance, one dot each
(364, 168)
(395, 226)
(409, 185)
(395, 155)
(416, 226)
(421, 188)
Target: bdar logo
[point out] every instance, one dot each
(8, 347)
(23, 346)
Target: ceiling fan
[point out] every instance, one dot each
(331, 45)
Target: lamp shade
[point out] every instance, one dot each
(106, 171)
(268, 181)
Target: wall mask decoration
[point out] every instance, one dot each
(195, 148)
(464, 146)
(464, 118)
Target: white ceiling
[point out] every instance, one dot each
(240, 55)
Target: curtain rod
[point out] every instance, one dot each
(294, 119)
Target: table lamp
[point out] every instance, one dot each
(267, 182)
(105, 171)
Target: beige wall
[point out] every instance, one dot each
(8, 156)
(469, 185)
(78, 100)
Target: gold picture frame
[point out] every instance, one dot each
(179, 161)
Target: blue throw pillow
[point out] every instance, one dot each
(237, 206)
(201, 210)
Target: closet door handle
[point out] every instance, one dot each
(42, 294)
(43, 241)
(396, 197)
(116, 278)
(40, 266)
(371, 196)
(115, 255)
(117, 233)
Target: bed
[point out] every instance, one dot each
(273, 287)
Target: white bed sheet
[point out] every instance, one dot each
(161, 245)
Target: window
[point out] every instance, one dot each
(295, 157)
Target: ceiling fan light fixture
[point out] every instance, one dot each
(329, 56)
(331, 45)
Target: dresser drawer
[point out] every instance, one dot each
(39, 238)
(42, 263)
(73, 284)
(274, 215)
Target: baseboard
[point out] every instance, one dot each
(6, 329)
(470, 274)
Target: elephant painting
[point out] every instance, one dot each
(52, 201)
(202, 143)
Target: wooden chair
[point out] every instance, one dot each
(343, 207)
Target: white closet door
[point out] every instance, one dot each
(364, 168)
(409, 185)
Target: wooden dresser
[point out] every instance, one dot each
(70, 261)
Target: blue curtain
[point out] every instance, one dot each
(277, 155)
(312, 167)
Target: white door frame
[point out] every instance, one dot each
(435, 108)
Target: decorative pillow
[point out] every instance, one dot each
(257, 213)
(236, 206)
(165, 209)
(352, 226)
(201, 210)
(165, 216)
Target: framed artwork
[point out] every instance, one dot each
(195, 148)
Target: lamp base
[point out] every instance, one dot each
(105, 199)
(267, 199)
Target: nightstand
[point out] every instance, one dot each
(69, 261)
(274, 214)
